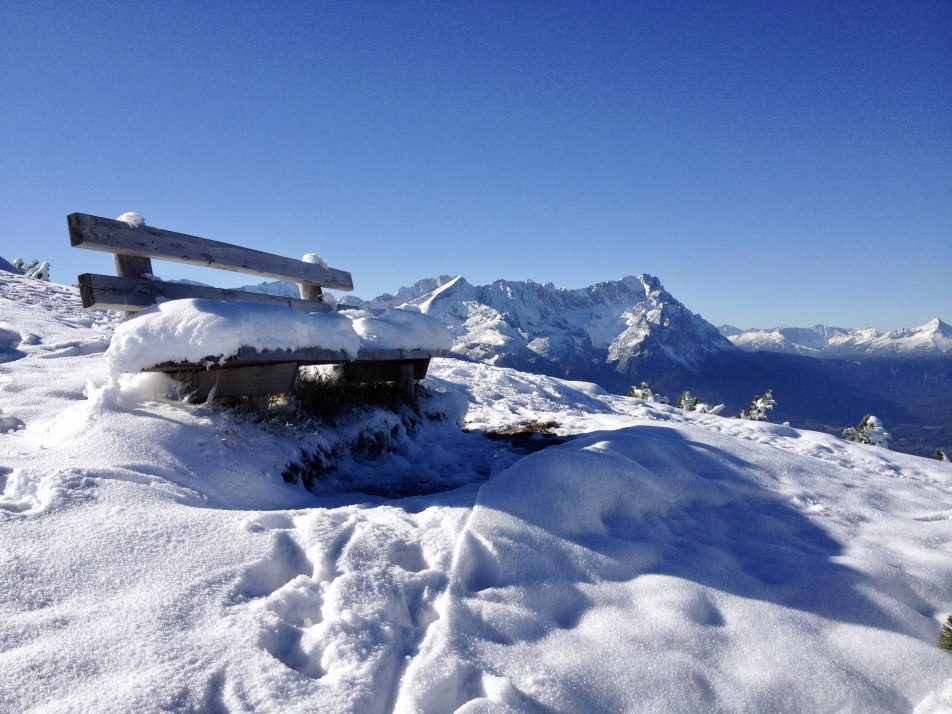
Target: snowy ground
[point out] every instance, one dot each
(152, 558)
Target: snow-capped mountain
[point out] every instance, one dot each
(611, 326)
(609, 332)
(933, 338)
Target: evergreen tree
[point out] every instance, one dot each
(687, 402)
(945, 635)
(642, 391)
(869, 431)
(646, 392)
(759, 406)
(941, 455)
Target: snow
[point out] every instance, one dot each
(132, 218)
(152, 557)
(399, 330)
(315, 259)
(198, 330)
(195, 330)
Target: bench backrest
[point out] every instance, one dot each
(134, 288)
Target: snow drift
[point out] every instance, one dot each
(153, 559)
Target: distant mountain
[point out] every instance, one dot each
(607, 333)
(933, 338)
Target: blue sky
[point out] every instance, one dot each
(772, 163)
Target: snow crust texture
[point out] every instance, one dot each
(153, 559)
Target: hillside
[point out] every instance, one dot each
(155, 559)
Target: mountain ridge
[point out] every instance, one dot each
(932, 338)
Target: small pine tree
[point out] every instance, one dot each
(945, 635)
(642, 391)
(646, 392)
(687, 402)
(869, 431)
(759, 406)
(941, 455)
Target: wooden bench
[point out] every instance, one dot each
(252, 372)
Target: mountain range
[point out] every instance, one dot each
(619, 333)
(935, 337)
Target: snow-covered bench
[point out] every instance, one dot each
(235, 342)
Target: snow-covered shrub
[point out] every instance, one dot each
(869, 431)
(643, 391)
(940, 455)
(687, 402)
(33, 269)
(759, 406)
(703, 408)
(42, 272)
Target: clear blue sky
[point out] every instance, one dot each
(772, 163)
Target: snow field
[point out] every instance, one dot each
(153, 559)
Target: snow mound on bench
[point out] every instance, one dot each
(399, 330)
(195, 329)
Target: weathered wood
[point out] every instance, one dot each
(309, 355)
(403, 372)
(251, 357)
(248, 381)
(108, 292)
(131, 266)
(96, 233)
(371, 355)
(310, 292)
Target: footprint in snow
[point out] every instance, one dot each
(75, 348)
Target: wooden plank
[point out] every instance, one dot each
(108, 292)
(370, 355)
(96, 233)
(248, 356)
(403, 372)
(320, 355)
(302, 355)
(248, 381)
(132, 266)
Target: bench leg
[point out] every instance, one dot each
(406, 379)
